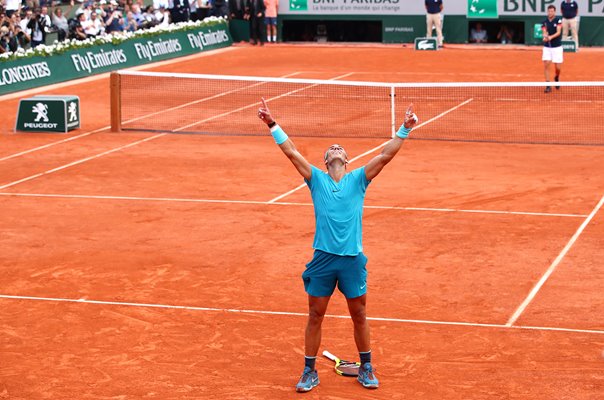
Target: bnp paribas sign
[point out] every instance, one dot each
(298, 5)
(48, 114)
(482, 9)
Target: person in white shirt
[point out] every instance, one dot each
(163, 16)
(94, 26)
(11, 7)
(25, 21)
(159, 3)
(478, 35)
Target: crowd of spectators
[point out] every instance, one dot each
(26, 23)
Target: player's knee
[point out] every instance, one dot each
(315, 316)
(358, 315)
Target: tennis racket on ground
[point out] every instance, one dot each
(343, 367)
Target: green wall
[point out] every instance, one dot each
(405, 28)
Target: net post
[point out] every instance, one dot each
(393, 110)
(116, 102)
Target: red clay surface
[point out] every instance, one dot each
(184, 220)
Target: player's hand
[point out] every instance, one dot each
(546, 38)
(264, 113)
(410, 117)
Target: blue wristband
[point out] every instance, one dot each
(403, 132)
(278, 134)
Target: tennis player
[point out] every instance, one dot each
(338, 259)
(552, 45)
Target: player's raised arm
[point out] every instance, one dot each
(374, 167)
(286, 145)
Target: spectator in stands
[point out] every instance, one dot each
(219, 8)
(25, 23)
(14, 26)
(193, 10)
(433, 19)
(149, 20)
(6, 40)
(77, 31)
(130, 24)
(505, 34)
(180, 11)
(37, 24)
(158, 3)
(137, 15)
(100, 9)
(255, 10)
(11, 7)
(86, 9)
(112, 19)
(60, 22)
(570, 20)
(236, 9)
(163, 16)
(203, 9)
(478, 35)
(94, 26)
(47, 21)
(21, 39)
(272, 7)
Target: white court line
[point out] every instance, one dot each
(379, 147)
(295, 314)
(54, 143)
(25, 93)
(255, 104)
(252, 202)
(554, 265)
(92, 157)
(50, 171)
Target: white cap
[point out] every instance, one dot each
(113, 3)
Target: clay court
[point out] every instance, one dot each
(147, 265)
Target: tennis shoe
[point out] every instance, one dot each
(548, 89)
(308, 380)
(557, 79)
(367, 377)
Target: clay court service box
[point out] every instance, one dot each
(424, 43)
(48, 114)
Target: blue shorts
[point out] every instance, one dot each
(325, 270)
(270, 20)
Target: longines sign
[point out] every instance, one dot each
(32, 72)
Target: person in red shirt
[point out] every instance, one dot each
(270, 18)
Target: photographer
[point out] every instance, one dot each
(112, 19)
(21, 38)
(38, 26)
(4, 39)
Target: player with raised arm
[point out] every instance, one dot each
(338, 259)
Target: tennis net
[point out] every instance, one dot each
(507, 112)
